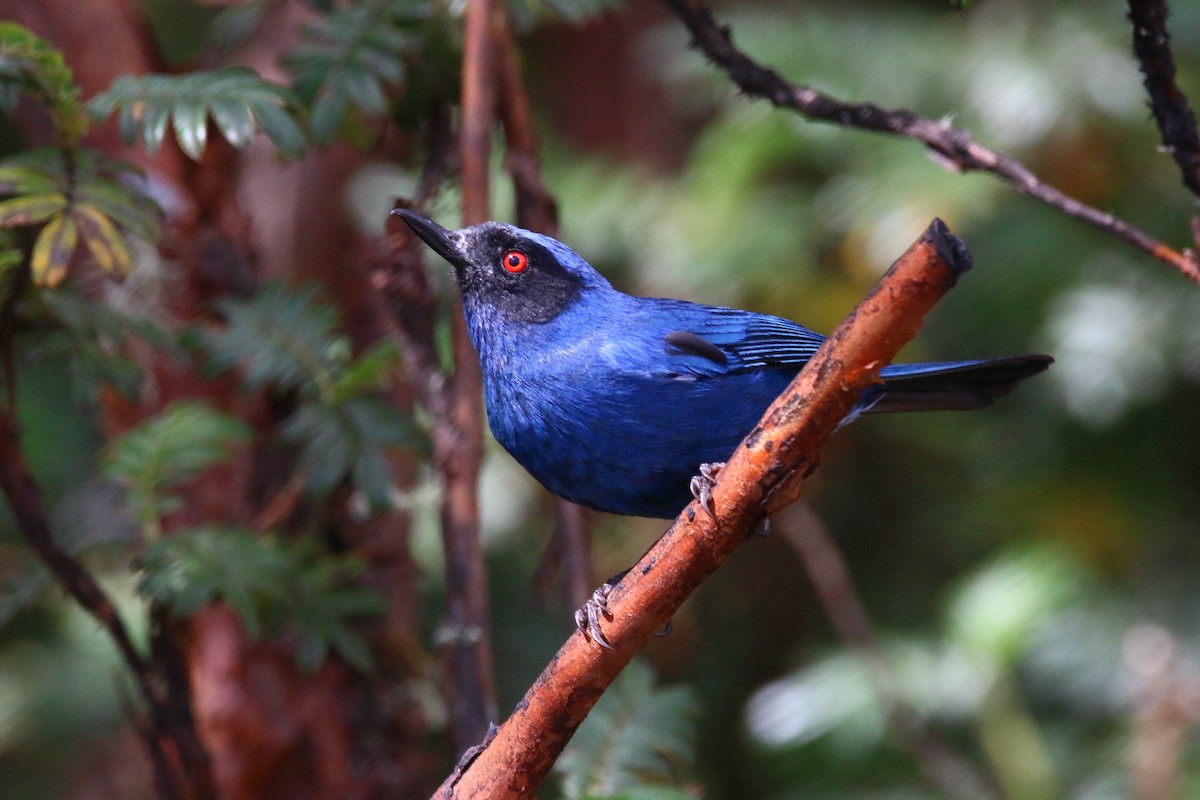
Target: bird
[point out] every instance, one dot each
(628, 404)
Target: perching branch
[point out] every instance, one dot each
(954, 147)
(764, 474)
(1176, 122)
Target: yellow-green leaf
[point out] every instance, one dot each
(53, 250)
(21, 179)
(102, 239)
(30, 209)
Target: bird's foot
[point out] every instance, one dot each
(702, 485)
(587, 619)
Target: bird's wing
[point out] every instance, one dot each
(712, 341)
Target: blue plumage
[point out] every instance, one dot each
(613, 401)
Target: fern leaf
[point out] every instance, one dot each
(347, 440)
(190, 118)
(237, 99)
(351, 57)
(234, 24)
(29, 64)
(128, 208)
(234, 120)
(281, 337)
(274, 587)
(88, 189)
(281, 129)
(92, 334)
(192, 568)
(636, 736)
(323, 604)
(369, 371)
(168, 449)
(21, 179)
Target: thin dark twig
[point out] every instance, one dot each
(834, 587)
(1176, 122)
(954, 147)
(25, 498)
(568, 552)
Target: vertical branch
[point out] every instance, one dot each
(459, 447)
(537, 210)
(1176, 122)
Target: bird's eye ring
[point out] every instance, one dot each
(515, 261)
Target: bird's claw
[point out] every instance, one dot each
(702, 485)
(587, 619)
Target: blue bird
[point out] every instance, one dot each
(613, 401)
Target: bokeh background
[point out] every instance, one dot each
(1031, 569)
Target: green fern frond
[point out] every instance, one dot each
(192, 568)
(324, 601)
(347, 439)
(28, 64)
(637, 737)
(94, 337)
(276, 588)
(235, 23)
(352, 57)
(282, 337)
(169, 448)
(239, 102)
(285, 339)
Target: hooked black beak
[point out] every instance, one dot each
(440, 239)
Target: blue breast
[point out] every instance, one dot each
(595, 406)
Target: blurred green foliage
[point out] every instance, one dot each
(276, 588)
(1009, 557)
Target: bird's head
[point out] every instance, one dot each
(525, 276)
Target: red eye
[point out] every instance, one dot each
(515, 261)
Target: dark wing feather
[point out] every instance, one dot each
(722, 341)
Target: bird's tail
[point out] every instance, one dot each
(950, 385)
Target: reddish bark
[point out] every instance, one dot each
(458, 437)
(272, 730)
